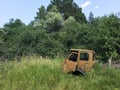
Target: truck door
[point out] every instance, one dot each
(70, 63)
(85, 61)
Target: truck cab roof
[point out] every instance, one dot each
(84, 50)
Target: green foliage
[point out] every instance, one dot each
(68, 8)
(53, 22)
(41, 13)
(69, 32)
(57, 29)
(10, 38)
(57, 3)
(91, 17)
(105, 27)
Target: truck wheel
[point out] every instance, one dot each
(81, 72)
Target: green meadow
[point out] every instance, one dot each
(46, 74)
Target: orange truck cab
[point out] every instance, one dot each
(79, 60)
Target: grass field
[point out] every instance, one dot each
(46, 74)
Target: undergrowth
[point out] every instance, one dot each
(46, 74)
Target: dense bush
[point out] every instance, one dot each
(53, 33)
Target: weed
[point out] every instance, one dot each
(46, 74)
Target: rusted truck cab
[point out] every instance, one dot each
(78, 60)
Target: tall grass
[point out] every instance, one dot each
(46, 74)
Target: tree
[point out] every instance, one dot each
(54, 9)
(57, 3)
(41, 13)
(91, 17)
(106, 35)
(69, 8)
(69, 32)
(14, 24)
(53, 20)
(10, 37)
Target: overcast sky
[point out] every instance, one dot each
(26, 9)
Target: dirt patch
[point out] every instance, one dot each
(115, 64)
